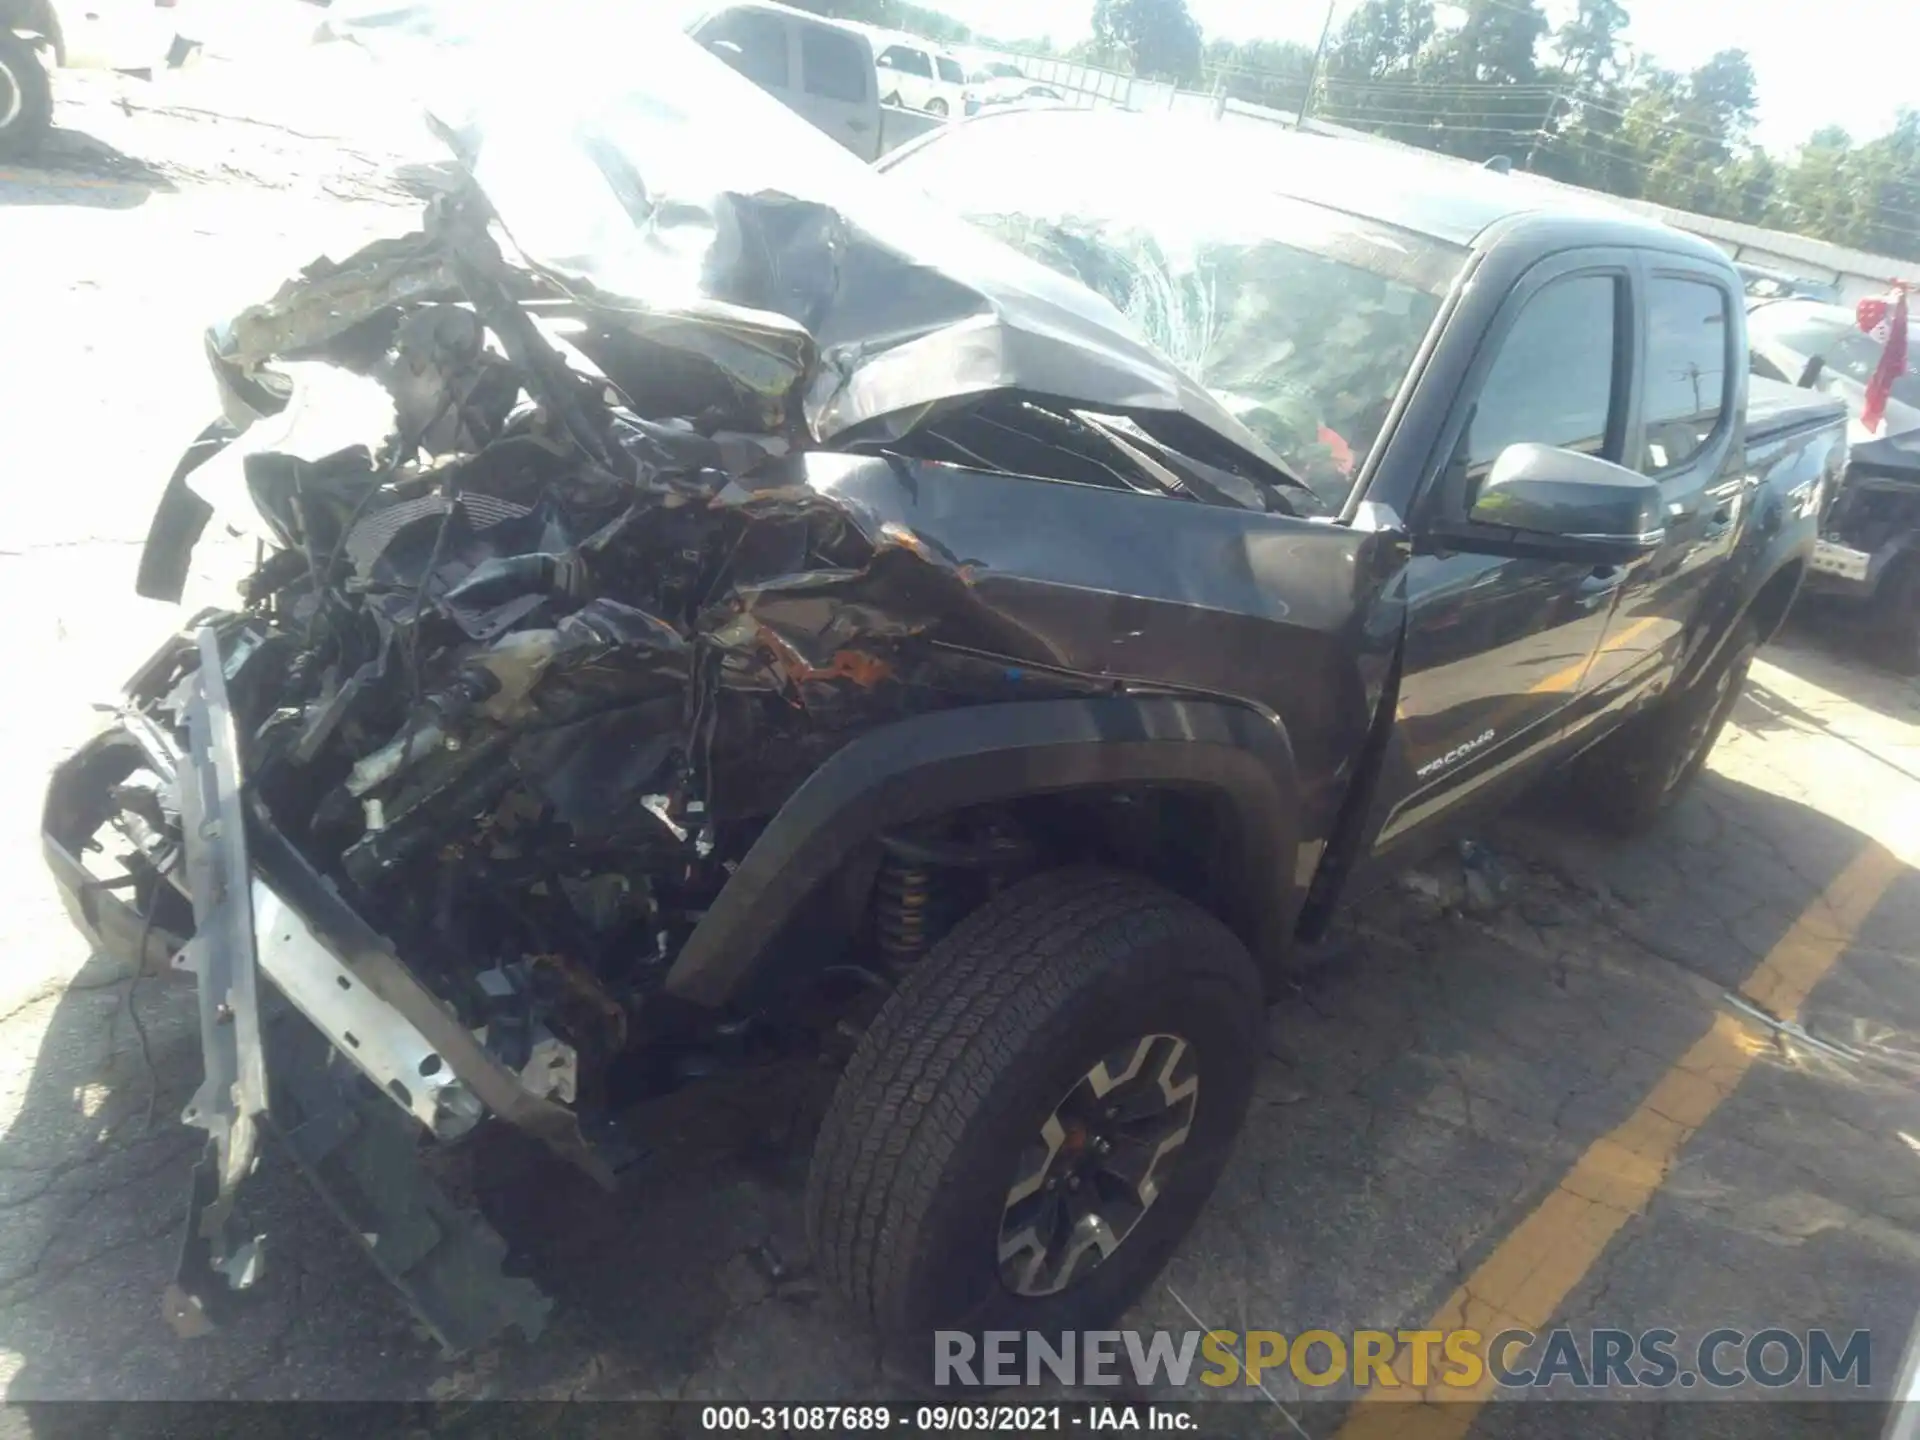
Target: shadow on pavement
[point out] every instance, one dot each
(1826, 650)
(1764, 710)
(74, 168)
(1419, 1099)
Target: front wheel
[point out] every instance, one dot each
(1037, 1117)
(26, 99)
(1635, 775)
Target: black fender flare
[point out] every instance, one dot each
(929, 765)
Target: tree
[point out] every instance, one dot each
(1579, 141)
(1262, 72)
(1160, 38)
(1751, 187)
(1495, 102)
(1371, 67)
(1589, 43)
(1688, 131)
(1865, 195)
(1888, 181)
(1382, 38)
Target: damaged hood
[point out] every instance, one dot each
(643, 176)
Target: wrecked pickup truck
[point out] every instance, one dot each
(708, 599)
(1867, 564)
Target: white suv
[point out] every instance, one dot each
(914, 74)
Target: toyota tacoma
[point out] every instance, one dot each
(708, 594)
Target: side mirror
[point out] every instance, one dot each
(885, 62)
(1562, 505)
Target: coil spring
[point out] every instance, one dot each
(904, 893)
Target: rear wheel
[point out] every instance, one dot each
(1035, 1120)
(26, 99)
(937, 106)
(1897, 618)
(1636, 774)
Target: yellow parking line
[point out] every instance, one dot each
(1523, 1282)
(1569, 678)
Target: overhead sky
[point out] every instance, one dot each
(1836, 62)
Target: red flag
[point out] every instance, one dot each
(1871, 316)
(1893, 360)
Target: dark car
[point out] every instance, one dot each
(1868, 560)
(777, 608)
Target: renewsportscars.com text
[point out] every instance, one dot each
(1658, 1359)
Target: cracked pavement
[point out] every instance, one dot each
(1424, 1092)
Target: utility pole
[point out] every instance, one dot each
(1546, 122)
(1313, 75)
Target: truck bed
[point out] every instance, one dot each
(1775, 408)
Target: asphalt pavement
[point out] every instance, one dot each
(1540, 1087)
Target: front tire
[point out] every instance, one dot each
(26, 98)
(1636, 774)
(1084, 1027)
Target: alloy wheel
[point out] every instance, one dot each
(1100, 1160)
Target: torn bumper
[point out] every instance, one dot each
(312, 1029)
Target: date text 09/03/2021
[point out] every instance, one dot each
(937, 1419)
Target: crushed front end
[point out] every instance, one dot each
(557, 599)
(310, 1026)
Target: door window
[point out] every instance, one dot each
(1686, 369)
(950, 70)
(762, 39)
(907, 61)
(832, 65)
(1553, 381)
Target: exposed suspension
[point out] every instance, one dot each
(904, 890)
(924, 881)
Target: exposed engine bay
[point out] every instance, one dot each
(559, 598)
(523, 675)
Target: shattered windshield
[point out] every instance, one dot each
(641, 170)
(1301, 320)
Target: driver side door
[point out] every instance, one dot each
(1497, 649)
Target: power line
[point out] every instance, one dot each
(1595, 146)
(1450, 127)
(1447, 87)
(1582, 99)
(1350, 100)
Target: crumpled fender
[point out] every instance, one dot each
(934, 764)
(179, 520)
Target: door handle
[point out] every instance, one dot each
(1599, 584)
